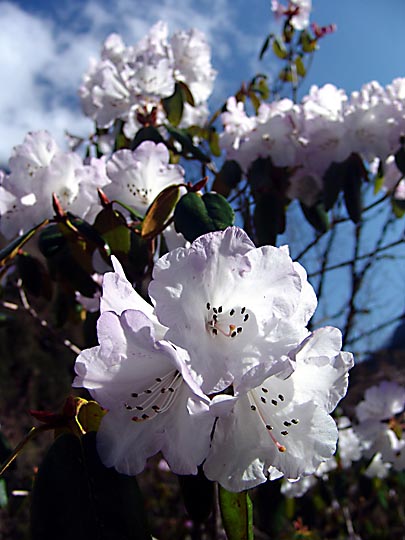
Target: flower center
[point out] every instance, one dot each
(142, 194)
(230, 323)
(156, 399)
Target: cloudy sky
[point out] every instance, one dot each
(45, 49)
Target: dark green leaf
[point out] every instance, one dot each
(75, 496)
(148, 133)
(186, 142)
(265, 46)
(174, 105)
(237, 514)
(187, 95)
(213, 140)
(228, 178)
(355, 174)
(400, 159)
(3, 493)
(269, 218)
(111, 226)
(195, 215)
(316, 216)
(333, 181)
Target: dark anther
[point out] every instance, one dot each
(245, 318)
(243, 310)
(263, 399)
(269, 427)
(287, 424)
(134, 394)
(232, 312)
(284, 433)
(208, 305)
(281, 397)
(274, 402)
(253, 407)
(220, 309)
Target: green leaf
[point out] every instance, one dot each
(400, 158)
(379, 178)
(237, 514)
(213, 141)
(75, 496)
(3, 493)
(278, 48)
(355, 174)
(187, 95)
(174, 105)
(316, 216)
(186, 142)
(398, 207)
(11, 250)
(299, 64)
(269, 218)
(265, 46)
(148, 133)
(227, 178)
(333, 181)
(111, 225)
(195, 215)
(159, 212)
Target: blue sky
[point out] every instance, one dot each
(45, 48)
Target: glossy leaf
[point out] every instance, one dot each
(316, 216)
(174, 105)
(300, 67)
(213, 140)
(112, 227)
(75, 496)
(333, 181)
(148, 133)
(160, 211)
(400, 158)
(227, 178)
(237, 514)
(195, 215)
(187, 95)
(186, 142)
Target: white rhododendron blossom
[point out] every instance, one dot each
(153, 402)
(221, 370)
(380, 427)
(326, 127)
(237, 309)
(298, 12)
(128, 82)
(38, 169)
(138, 176)
(283, 426)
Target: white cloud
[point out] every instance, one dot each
(42, 60)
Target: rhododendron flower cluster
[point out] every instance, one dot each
(221, 370)
(327, 126)
(38, 169)
(129, 82)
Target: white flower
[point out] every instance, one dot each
(379, 429)
(236, 308)
(283, 426)
(38, 168)
(153, 402)
(192, 63)
(138, 176)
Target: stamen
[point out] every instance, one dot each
(265, 390)
(287, 424)
(263, 399)
(232, 312)
(281, 397)
(274, 402)
(284, 433)
(208, 306)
